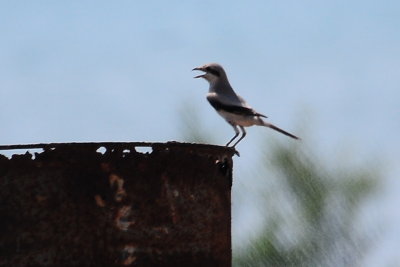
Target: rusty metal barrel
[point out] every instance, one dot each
(111, 204)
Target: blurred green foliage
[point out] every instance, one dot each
(191, 127)
(325, 201)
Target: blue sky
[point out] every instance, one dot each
(121, 71)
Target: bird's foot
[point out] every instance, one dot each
(235, 152)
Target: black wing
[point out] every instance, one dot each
(240, 110)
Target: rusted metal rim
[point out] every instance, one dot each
(115, 144)
(229, 151)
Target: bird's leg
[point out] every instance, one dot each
(236, 133)
(243, 135)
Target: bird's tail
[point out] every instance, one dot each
(270, 125)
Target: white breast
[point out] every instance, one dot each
(244, 121)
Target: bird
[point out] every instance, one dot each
(231, 106)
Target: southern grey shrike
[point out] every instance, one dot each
(231, 106)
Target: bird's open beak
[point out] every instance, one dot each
(200, 69)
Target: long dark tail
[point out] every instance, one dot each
(279, 130)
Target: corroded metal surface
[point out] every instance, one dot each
(73, 206)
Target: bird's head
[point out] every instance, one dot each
(213, 72)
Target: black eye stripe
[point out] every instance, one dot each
(212, 71)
